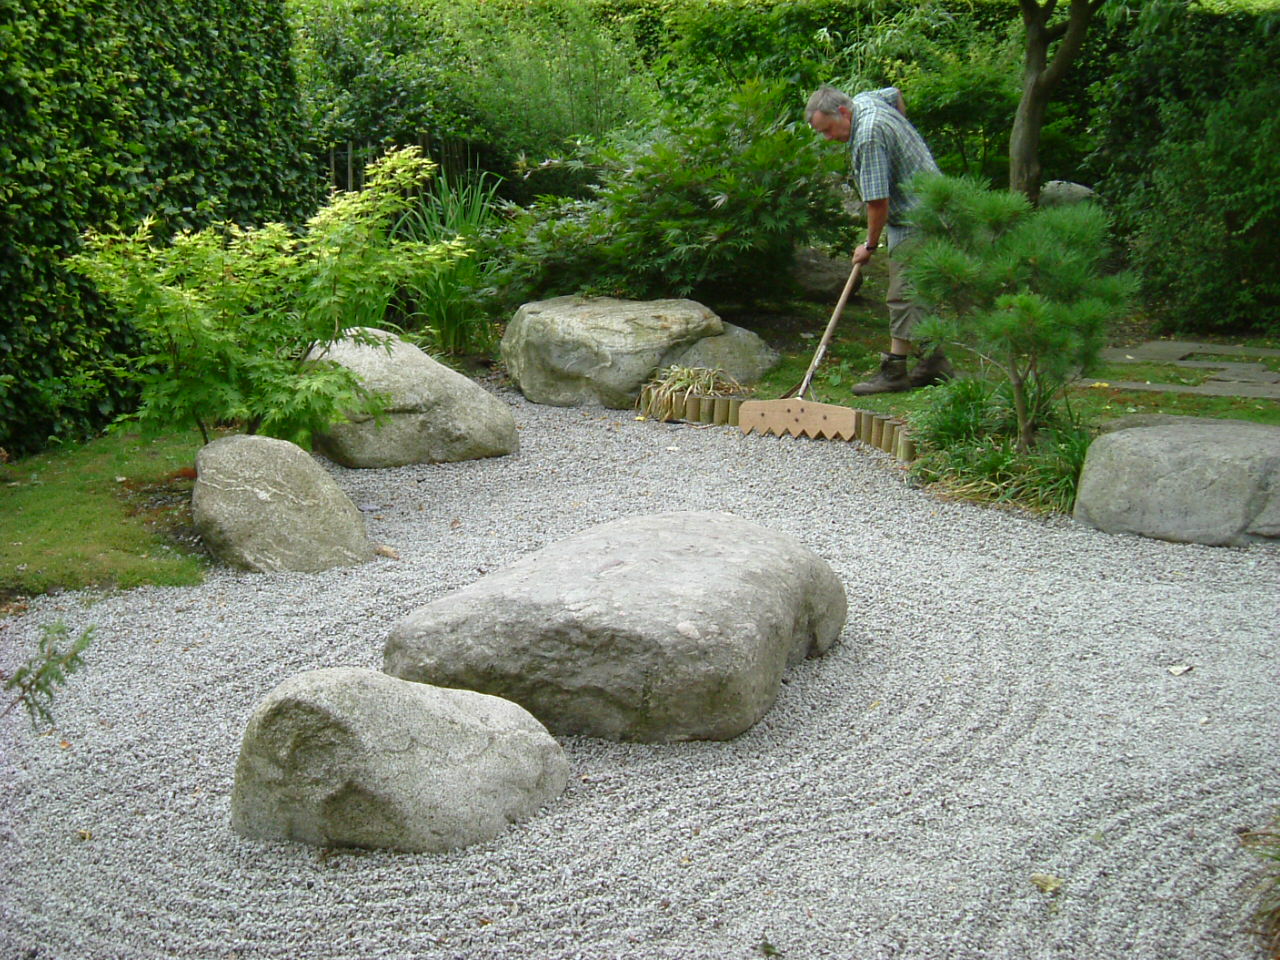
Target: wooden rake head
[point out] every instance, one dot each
(792, 415)
(798, 418)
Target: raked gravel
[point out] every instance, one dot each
(998, 717)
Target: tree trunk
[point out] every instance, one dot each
(1024, 141)
(1026, 435)
(1040, 75)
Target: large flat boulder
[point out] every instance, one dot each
(655, 628)
(345, 757)
(1195, 481)
(433, 414)
(570, 351)
(266, 505)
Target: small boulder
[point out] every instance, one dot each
(433, 414)
(1064, 193)
(740, 353)
(1131, 420)
(1196, 481)
(819, 275)
(578, 350)
(345, 757)
(266, 505)
(655, 628)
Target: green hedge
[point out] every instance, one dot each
(1188, 158)
(109, 111)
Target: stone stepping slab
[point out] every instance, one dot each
(1243, 378)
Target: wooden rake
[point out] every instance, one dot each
(793, 415)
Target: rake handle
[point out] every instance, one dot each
(852, 284)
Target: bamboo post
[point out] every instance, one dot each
(889, 436)
(864, 426)
(906, 447)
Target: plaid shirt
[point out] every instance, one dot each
(886, 151)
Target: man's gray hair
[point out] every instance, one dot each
(827, 99)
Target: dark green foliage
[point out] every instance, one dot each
(1022, 288)
(711, 205)
(379, 71)
(506, 83)
(969, 443)
(1189, 160)
(109, 111)
(1208, 259)
(543, 74)
(961, 87)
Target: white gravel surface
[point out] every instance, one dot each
(999, 708)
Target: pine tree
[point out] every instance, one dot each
(1024, 288)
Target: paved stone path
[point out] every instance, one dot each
(1243, 378)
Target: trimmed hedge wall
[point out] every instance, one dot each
(111, 110)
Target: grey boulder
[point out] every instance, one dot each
(1198, 481)
(570, 351)
(346, 757)
(266, 505)
(1064, 193)
(740, 353)
(819, 275)
(433, 415)
(655, 628)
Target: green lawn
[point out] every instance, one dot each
(98, 515)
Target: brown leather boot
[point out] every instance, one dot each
(892, 377)
(934, 367)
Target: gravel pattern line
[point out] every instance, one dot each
(999, 706)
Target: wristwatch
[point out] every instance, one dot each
(871, 247)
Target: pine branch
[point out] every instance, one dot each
(36, 680)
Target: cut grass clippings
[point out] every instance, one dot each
(111, 513)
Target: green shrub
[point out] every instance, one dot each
(542, 75)
(710, 206)
(444, 305)
(968, 435)
(107, 112)
(513, 82)
(380, 72)
(961, 88)
(230, 314)
(1022, 288)
(1207, 220)
(1186, 158)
